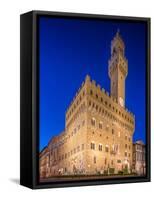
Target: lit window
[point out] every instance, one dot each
(94, 159)
(107, 127)
(100, 125)
(100, 147)
(93, 121)
(106, 148)
(78, 148)
(119, 134)
(92, 145)
(83, 123)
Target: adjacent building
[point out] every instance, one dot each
(98, 135)
(44, 163)
(139, 164)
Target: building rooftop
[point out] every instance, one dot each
(88, 79)
(139, 142)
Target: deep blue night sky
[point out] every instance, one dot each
(71, 49)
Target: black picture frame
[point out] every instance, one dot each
(29, 101)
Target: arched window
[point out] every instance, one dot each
(93, 145)
(78, 148)
(93, 121)
(107, 127)
(106, 148)
(100, 147)
(83, 122)
(94, 159)
(96, 107)
(100, 125)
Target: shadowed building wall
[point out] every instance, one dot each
(139, 163)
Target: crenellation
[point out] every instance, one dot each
(98, 87)
(103, 90)
(107, 93)
(93, 83)
(87, 79)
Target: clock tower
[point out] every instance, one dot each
(118, 69)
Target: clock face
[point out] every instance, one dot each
(121, 101)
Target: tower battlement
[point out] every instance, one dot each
(90, 85)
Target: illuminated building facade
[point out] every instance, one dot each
(98, 135)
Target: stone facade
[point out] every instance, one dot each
(98, 127)
(44, 163)
(139, 164)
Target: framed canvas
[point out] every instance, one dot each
(85, 99)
